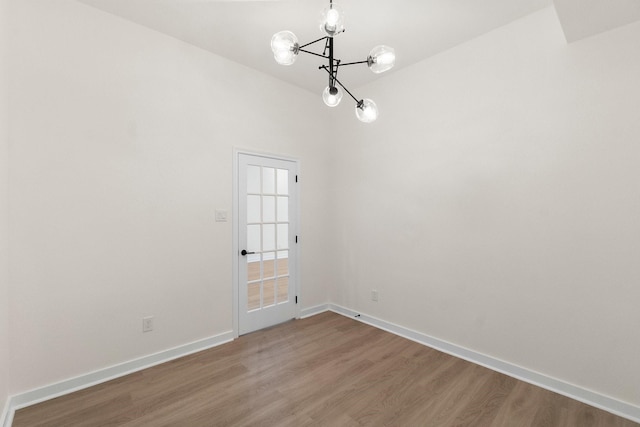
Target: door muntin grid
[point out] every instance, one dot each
(268, 229)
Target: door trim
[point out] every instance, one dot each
(235, 226)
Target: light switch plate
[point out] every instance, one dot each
(221, 215)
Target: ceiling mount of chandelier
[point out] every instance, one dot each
(286, 48)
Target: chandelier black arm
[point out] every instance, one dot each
(324, 67)
(315, 41)
(313, 53)
(335, 72)
(336, 63)
(354, 63)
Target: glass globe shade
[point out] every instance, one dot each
(285, 47)
(332, 99)
(367, 111)
(381, 58)
(285, 58)
(332, 22)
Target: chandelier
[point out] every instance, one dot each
(285, 49)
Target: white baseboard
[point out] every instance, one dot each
(61, 388)
(312, 311)
(580, 394)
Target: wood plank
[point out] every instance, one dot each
(327, 370)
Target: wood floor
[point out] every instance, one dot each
(327, 370)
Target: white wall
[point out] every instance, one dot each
(496, 202)
(501, 180)
(122, 150)
(4, 211)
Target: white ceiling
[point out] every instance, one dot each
(584, 18)
(241, 30)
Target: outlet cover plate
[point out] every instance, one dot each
(147, 324)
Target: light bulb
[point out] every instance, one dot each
(381, 58)
(285, 57)
(386, 58)
(367, 111)
(332, 96)
(285, 47)
(333, 16)
(332, 22)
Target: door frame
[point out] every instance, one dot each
(236, 224)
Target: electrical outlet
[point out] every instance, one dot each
(147, 324)
(374, 295)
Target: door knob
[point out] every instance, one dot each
(244, 252)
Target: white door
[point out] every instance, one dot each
(267, 228)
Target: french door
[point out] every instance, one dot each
(267, 228)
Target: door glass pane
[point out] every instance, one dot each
(253, 179)
(253, 238)
(269, 268)
(283, 181)
(283, 236)
(268, 209)
(268, 180)
(283, 289)
(283, 209)
(268, 237)
(253, 296)
(283, 263)
(269, 293)
(253, 270)
(253, 209)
